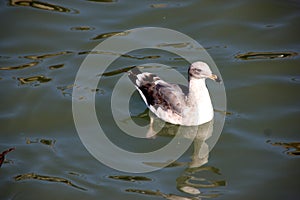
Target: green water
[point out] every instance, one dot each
(42, 47)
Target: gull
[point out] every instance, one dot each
(169, 102)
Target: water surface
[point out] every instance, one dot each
(256, 46)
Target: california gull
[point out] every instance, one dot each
(170, 103)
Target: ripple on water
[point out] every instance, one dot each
(169, 5)
(58, 66)
(131, 178)
(194, 183)
(47, 142)
(82, 28)
(37, 59)
(47, 178)
(48, 55)
(175, 45)
(66, 90)
(265, 55)
(121, 55)
(291, 148)
(40, 5)
(22, 66)
(200, 180)
(166, 196)
(34, 79)
(107, 35)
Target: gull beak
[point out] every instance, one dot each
(215, 78)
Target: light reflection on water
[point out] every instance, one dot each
(255, 45)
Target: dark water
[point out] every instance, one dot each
(255, 45)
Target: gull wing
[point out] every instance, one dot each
(158, 93)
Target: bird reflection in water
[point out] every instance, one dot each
(199, 134)
(197, 176)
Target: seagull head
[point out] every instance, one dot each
(200, 70)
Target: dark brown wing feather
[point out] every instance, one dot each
(172, 97)
(159, 93)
